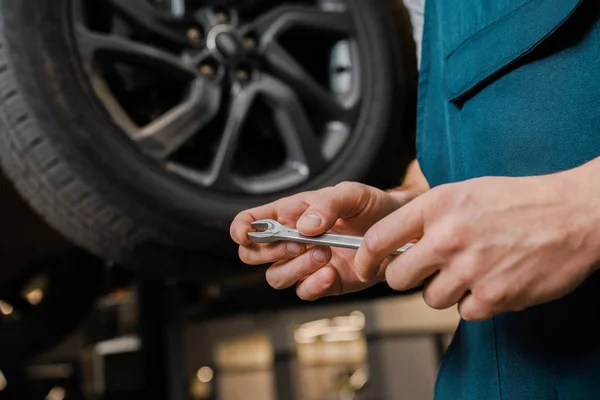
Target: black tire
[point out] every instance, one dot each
(76, 169)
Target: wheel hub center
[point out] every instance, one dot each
(224, 43)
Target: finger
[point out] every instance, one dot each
(387, 235)
(323, 283)
(286, 211)
(472, 309)
(241, 225)
(343, 201)
(333, 280)
(444, 291)
(409, 270)
(286, 274)
(259, 254)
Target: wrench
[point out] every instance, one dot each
(269, 231)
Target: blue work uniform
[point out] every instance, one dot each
(512, 88)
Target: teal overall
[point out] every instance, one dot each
(512, 88)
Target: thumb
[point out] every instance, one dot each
(342, 201)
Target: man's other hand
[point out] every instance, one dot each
(491, 245)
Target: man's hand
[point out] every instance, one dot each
(348, 208)
(491, 245)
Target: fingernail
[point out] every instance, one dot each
(311, 221)
(319, 256)
(293, 248)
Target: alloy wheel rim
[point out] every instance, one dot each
(244, 111)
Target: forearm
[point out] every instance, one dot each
(414, 184)
(581, 189)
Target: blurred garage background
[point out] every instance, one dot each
(382, 349)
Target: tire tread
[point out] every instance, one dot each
(52, 187)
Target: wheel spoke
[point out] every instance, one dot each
(146, 18)
(301, 141)
(93, 45)
(238, 113)
(167, 134)
(177, 7)
(287, 69)
(281, 18)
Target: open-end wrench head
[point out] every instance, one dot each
(266, 231)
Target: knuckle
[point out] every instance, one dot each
(354, 196)
(399, 285)
(329, 201)
(465, 273)
(236, 227)
(477, 313)
(372, 242)
(458, 230)
(349, 187)
(294, 204)
(467, 269)
(233, 231)
(325, 193)
(243, 254)
(492, 295)
(444, 246)
(322, 202)
(434, 300)
(247, 256)
(397, 282)
(452, 237)
(518, 307)
(275, 280)
(240, 216)
(304, 294)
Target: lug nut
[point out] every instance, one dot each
(242, 75)
(222, 16)
(250, 42)
(207, 70)
(194, 34)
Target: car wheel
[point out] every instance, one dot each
(140, 128)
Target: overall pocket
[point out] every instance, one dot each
(523, 92)
(485, 55)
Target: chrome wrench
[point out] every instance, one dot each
(270, 231)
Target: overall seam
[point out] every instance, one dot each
(497, 358)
